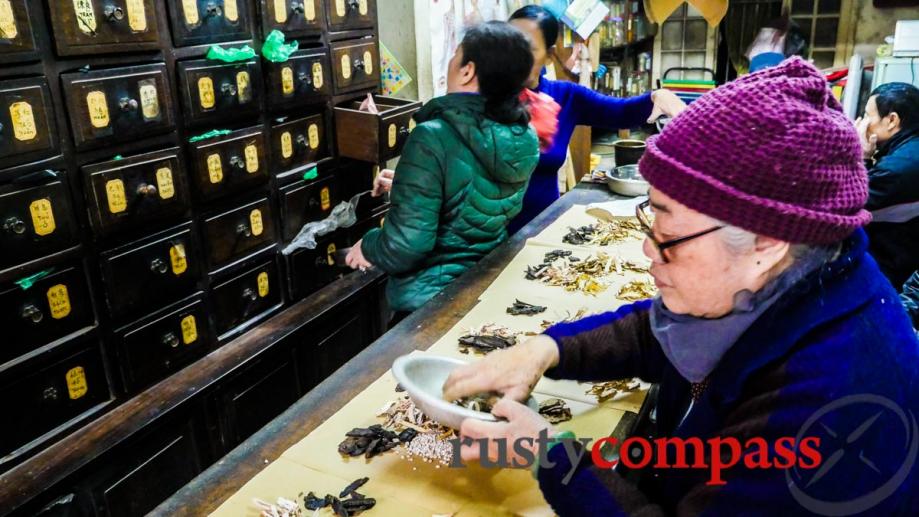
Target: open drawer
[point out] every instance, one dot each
(373, 137)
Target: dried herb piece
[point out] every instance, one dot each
(487, 338)
(555, 410)
(637, 290)
(524, 308)
(607, 390)
(480, 402)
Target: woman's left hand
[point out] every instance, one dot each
(355, 258)
(666, 103)
(522, 423)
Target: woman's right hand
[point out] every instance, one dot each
(512, 372)
(383, 182)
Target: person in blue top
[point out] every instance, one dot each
(579, 106)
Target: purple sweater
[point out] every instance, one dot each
(581, 106)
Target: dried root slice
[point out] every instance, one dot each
(555, 410)
(604, 391)
(637, 290)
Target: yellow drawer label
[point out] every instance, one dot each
(314, 136)
(262, 284)
(317, 75)
(243, 87)
(346, 66)
(76, 382)
(137, 16)
(368, 62)
(255, 222)
(251, 158)
(214, 168)
(42, 217)
(85, 17)
(287, 80)
(231, 10)
(8, 28)
(97, 106)
(325, 199)
(280, 11)
(149, 102)
(190, 10)
(178, 259)
(206, 92)
(330, 254)
(23, 121)
(114, 193)
(340, 8)
(309, 10)
(393, 134)
(189, 329)
(287, 145)
(164, 183)
(58, 301)
(411, 125)
(362, 7)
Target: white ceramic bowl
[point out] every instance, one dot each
(626, 181)
(423, 378)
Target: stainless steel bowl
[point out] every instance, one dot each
(423, 378)
(626, 180)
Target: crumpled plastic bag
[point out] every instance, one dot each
(214, 133)
(29, 281)
(275, 50)
(344, 215)
(230, 55)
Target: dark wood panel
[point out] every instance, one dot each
(104, 26)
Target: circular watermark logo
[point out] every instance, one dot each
(850, 449)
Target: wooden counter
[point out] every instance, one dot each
(417, 332)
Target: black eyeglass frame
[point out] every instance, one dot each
(662, 247)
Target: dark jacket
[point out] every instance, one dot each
(910, 298)
(893, 200)
(832, 354)
(460, 179)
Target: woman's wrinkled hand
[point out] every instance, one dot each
(869, 142)
(512, 372)
(355, 258)
(666, 103)
(521, 423)
(383, 182)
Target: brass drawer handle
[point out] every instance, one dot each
(32, 313)
(228, 89)
(250, 295)
(145, 189)
(128, 104)
(243, 230)
(158, 265)
(50, 393)
(113, 13)
(171, 340)
(14, 225)
(237, 162)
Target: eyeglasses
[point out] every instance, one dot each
(644, 219)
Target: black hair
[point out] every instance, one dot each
(547, 22)
(795, 39)
(901, 98)
(502, 74)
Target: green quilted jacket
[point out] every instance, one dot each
(460, 179)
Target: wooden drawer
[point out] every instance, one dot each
(298, 143)
(229, 163)
(304, 202)
(374, 137)
(360, 229)
(334, 343)
(311, 270)
(351, 14)
(153, 348)
(293, 17)
(42, 396)
(17, 40)
(303, 79)
(27, 129)
(150, 273)
(232, 234)
(196, 22)
(219, 90)
(104, 26)
(118, 105)
(54, 307)
(243, 298)
(135, 191)
(355, 65)
(35, 221)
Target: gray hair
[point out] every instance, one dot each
(739, 242)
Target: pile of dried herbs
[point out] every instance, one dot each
(604, 233)
(637, 290)
(561, 268)
(431, 444)
(524, 308)
(349, 502)
(373, 440)
(555, 410)
(607, 390)
(487, 338)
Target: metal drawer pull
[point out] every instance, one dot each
(32, 313)
(358, 64)
(50, 393)
(237, 162)
(212, 9)
(128, 104)
(228, 89)
(353, 5)
(249, 294)
(113, 13)
(158, 265)
(302, 142)
(297, 7)
(243, 230)
(171, 340)
(145, 189)
(14, 225)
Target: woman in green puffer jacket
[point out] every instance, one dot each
(462, 174)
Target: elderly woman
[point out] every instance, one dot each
(773, 328)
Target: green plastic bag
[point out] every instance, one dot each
(311, 174)
(275, 50)
(230, 55)
(210, 134)
(29, 281)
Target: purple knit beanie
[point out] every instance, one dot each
(771, 153)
